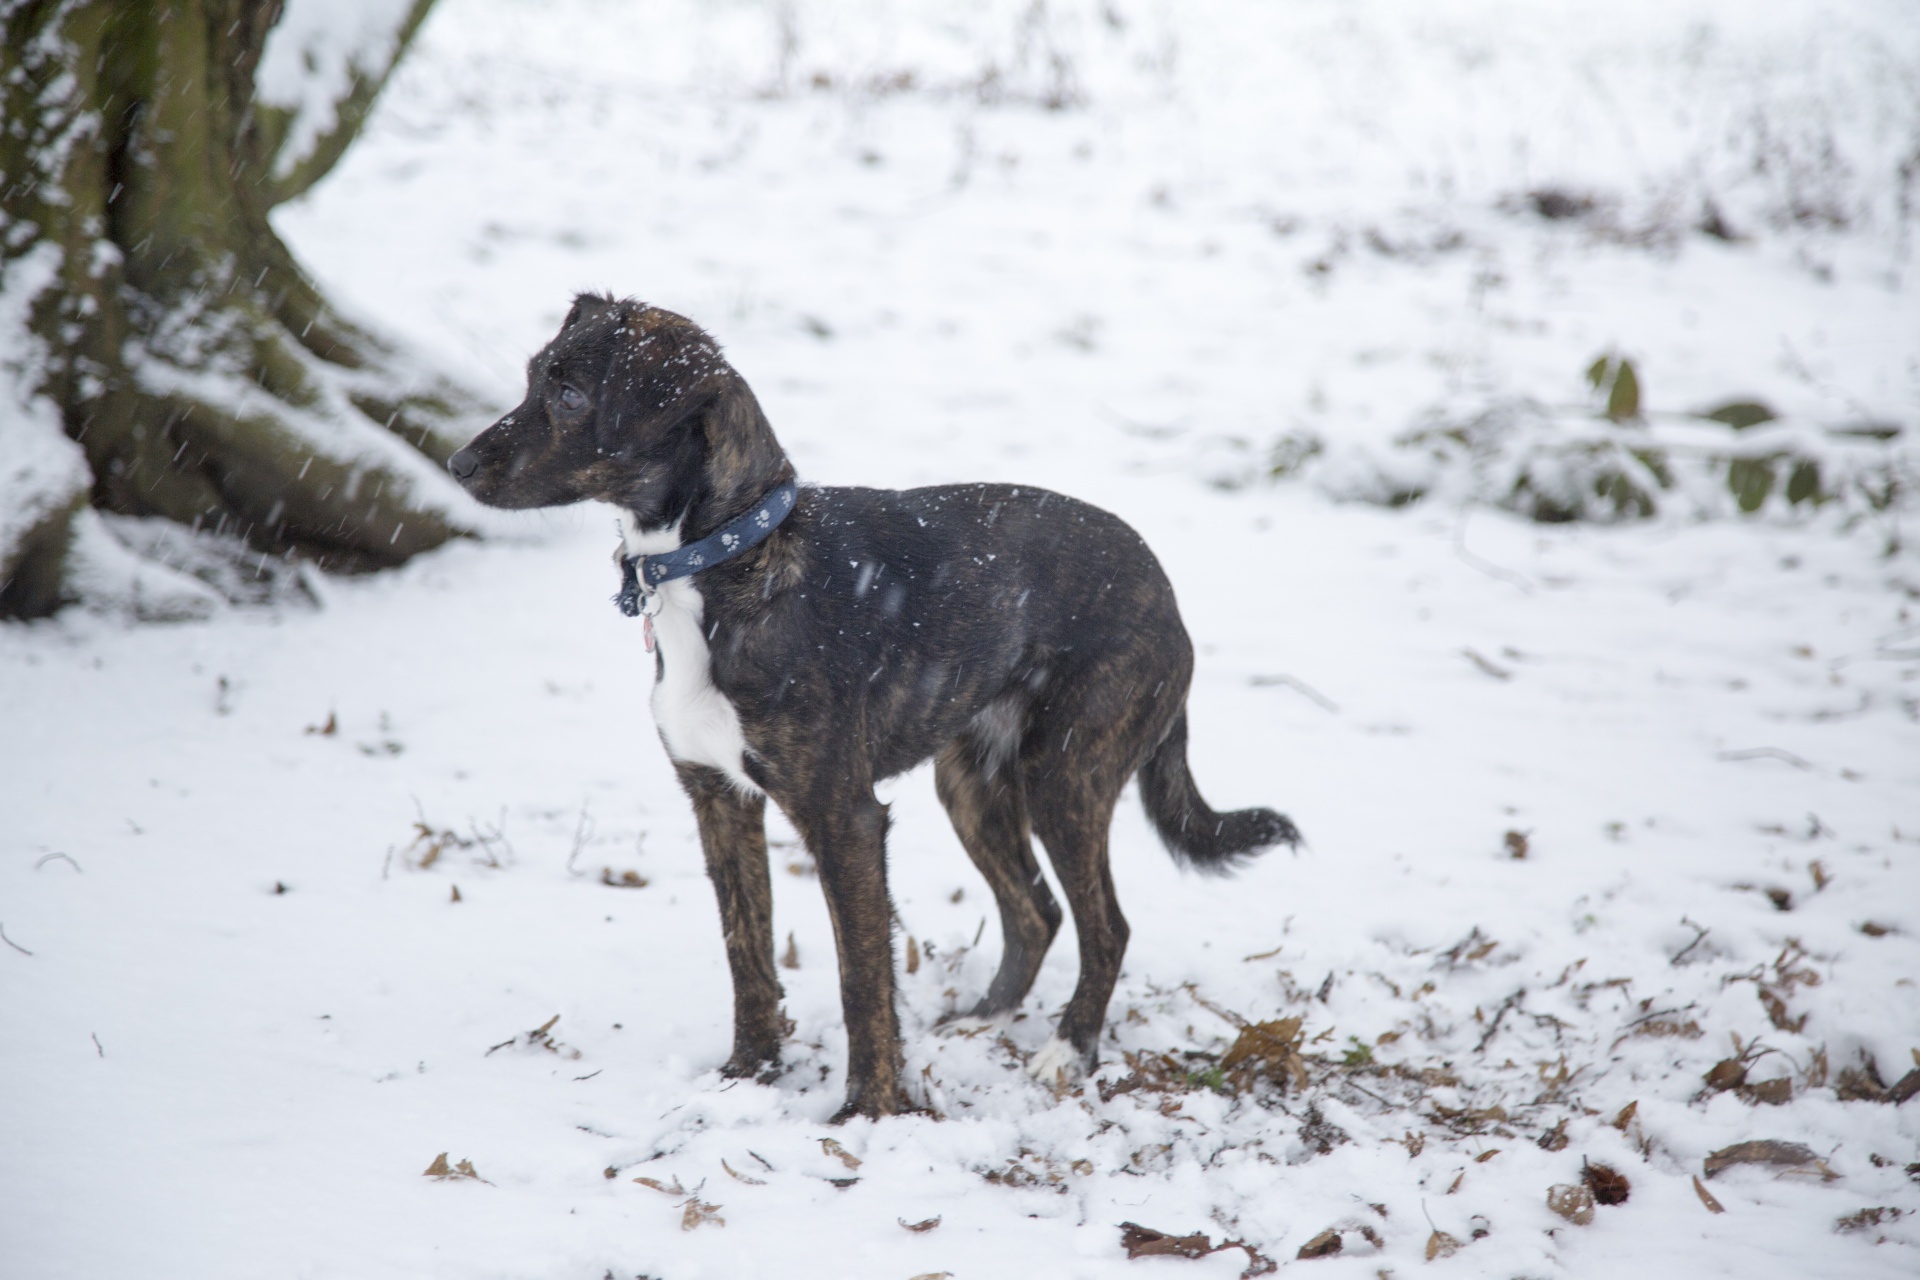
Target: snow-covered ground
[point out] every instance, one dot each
(286, 893)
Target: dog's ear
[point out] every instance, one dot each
(663, 369)
(584, 305)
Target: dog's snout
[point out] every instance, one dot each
(463, 464)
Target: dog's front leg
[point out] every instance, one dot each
(847, 836)
(733, 835)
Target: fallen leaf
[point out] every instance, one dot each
(1458, 1179)
(1706, 1196)
(1867, 1219)
(790, 958)
(1572, 1202)
(675, 1190)
(1441, 1245)
(1728, 1073)
(1554, 1139)
(625, 880)
(1516, 842)
(1145, 1242)
(1905, 1087)
(453, 1173)
(1774, 1093)
(1608, 1184)
(1791, 1155)
(737, 1176)
(1272, 1047)
(934, 1275)
(1626, 1116)
(919, 1228)
(1485, 1156)
(1324, 1245)
(456, 894)
(913, 956)
(698, 1213)
(840, 1153)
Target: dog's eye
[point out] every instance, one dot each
(571, 399)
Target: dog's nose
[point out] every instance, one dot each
(463, 464)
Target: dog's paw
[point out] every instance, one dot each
(1057, 1063)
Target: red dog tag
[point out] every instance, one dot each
(647, 630)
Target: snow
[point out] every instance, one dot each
(312, 57)
(255, 1011)
(41, 471)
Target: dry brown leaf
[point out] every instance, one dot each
(1324, 1245)
(1608, 1184)
(1905, 1087)
(1706, 1196)
(790, 958)
(1516, 842)
(675, 1190)
(1416, 1143)
(1145, 1242)
(625, 880)
(1441, 1245)
(1272, 1047)
(737, 1176)
(934, 1275)
(1728, 1073)
(1485, 1156)
(1790, 1155)
(1574, 1203)
(840, 1153)
(1776, 1092)
(439, 1168)
(919, 1228)
(1555, 1139)
(697, 1212)
(1626, 1116)
(913, 955)
(1868, 1219)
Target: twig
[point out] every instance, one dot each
(1766, 753)
(10, 942)
(1491, 668)
(1487, 567)
(582, 832)
(64, 858)
(1500, 1016)
(1700, 935)
(1226, 1015)
(97, 1047)
(1299, 686)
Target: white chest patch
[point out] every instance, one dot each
(696, 721)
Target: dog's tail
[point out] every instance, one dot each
(1197, 837)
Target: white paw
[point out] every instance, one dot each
(1056, 1063)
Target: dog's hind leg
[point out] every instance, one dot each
(1072, 814)
(989, 814)
(733, 836)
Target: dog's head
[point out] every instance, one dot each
(614, 411)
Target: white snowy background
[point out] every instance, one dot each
(285, 892)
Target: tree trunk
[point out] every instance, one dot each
(152, 307)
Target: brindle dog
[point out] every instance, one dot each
(1027, 642)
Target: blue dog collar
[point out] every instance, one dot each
(642, 575)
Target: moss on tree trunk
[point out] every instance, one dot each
(201, 370)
